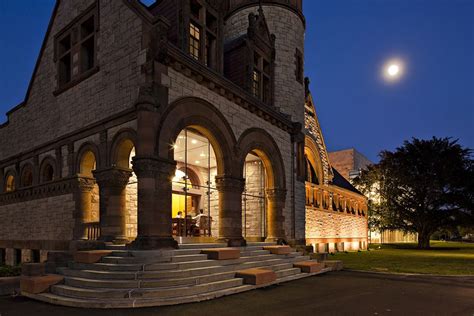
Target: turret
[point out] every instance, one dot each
(286, 23)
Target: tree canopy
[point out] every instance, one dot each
(421, 187)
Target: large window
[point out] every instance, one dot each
(76, 49)
(195, 197)
(202, 33)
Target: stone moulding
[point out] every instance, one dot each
(54, 188)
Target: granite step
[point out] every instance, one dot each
(166, 292)
(147, 302)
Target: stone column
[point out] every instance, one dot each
(112, 184)
(230, 210)
(275, 219)
(154, 203)
(83, 209)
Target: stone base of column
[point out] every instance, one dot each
(153, 242)
(116, 240)
(78, 245)
(277, 240)
(233, 242)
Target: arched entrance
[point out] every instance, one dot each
(195, 200)
(261, 155)
(88, 206)
(253, 199)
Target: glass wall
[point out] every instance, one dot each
(195, 197)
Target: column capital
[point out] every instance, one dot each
(226, 183)
(150, 167)
(85, 184)
(113, 177)
(276, 194)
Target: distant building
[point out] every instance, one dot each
(349, 163)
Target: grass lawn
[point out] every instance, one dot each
(446, 258)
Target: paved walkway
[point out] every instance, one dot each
(339, 293)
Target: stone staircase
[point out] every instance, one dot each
(127, 279)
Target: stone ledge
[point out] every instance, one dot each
(221, 253)
(90, 256)
(335, 265)
(309, 266)
(39, 284)
(256, 276)
(278, 250)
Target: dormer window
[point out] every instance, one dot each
(202, 33)
(75, 49)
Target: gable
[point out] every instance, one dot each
(313, 130)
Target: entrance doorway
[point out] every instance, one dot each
(195, 198)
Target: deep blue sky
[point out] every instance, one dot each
(347, 42)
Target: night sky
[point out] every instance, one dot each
(347, 43)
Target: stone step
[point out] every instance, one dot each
(202, 246)
(248, 253)
(215, 269)
(149, 283)
(175, 274)
(149, 302)
(287, 272)
(134, 260)
(108, 266)
(189, 258)
(65, 290)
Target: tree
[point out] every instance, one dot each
(423, 186)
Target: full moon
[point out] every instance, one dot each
(393, 70)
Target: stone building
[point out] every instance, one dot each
(137, 112)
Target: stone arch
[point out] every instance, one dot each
(312, 154)
(191, 112)
(122, 145)
(26, 175)
(261, 143)
(87, 159)
(193, 175)
(264, 146)
(10, 181)
(47, 169)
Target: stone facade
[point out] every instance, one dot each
(104, 171)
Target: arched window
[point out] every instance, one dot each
(48, 173)
(27, 176)
(10, 183)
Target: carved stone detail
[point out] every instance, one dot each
(276, 194)
(151, 167)
(113, 177)
(227, 183)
